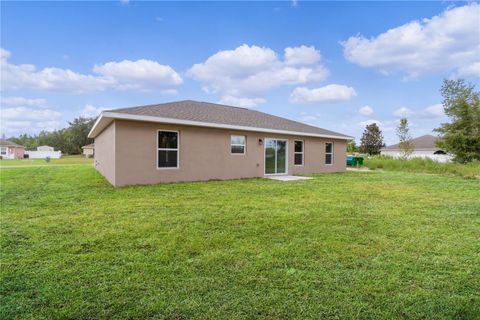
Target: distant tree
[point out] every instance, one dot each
(372, 140)
(68, 140)
(460, 137)
(405, 145)
(29, 142)
(77, 134)
(352, 146)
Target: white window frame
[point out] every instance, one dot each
(331, 153)
(1, 151)
(169, 149)
(296, 152)
(244, 145)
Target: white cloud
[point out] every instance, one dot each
(472, 70)
(365, 110)
(24, 115)
(26, 76)
(329, 93)
(4, 54)
(24, 119)
(90, 111)
(241, 102)
(134, 75)
(21, 101)
(435, 111)
(402, 112)
(302, 55)
(250, 71)
(447, 42)
(139, 75)
(431, 112)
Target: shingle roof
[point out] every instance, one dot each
(89, 146)
(422, 142)
(221, 114)
(8, 143)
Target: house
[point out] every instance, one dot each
(43, 152)
(11, 150)
(45, 148)
(88, 150)
(423, 147)
(190, 141)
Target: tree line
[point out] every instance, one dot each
(69, 140)
(459, 137)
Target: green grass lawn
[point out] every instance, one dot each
(75, 159)
(374, 245)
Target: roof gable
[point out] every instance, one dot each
(206, 114)
(8, 143)
(422, 142)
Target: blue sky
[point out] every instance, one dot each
(336, 65)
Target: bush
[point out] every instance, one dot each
(469, 171)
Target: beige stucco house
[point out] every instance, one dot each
(190, 141)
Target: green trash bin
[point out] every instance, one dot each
(359, 161)
(351, 161)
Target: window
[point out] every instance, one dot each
(329, 153)
(298, 153)
(237, 144)
(3, 150)
(167, 149)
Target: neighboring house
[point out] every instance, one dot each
(45, 148)
(11, 150)
(423, 147)
(43, 152)
(89, 150)
(189, 141)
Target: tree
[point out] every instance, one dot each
(460, 137)
(68, 140)
(352, 146)
(78, 132)
(406, 144)
(372, 140)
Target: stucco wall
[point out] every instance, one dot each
(204, 154)
(105, 153)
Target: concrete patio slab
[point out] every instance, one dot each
(288, 178)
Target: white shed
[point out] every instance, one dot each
(423, 147)
(45, 148)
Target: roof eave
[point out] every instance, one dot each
(107, 116)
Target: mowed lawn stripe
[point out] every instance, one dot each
(341, 246)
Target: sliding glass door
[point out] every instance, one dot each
(275, 156)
